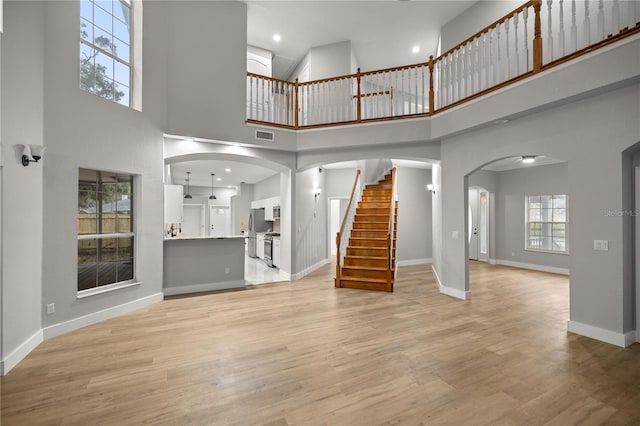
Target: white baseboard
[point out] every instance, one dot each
(449, 291)
(493, 262)
(199, 288)
(619, 339)
(533, 267)
(21, 352)
(310, 269)
(412, 262)
(105, 314)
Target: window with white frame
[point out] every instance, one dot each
(547, 223)
(105, 49)
(105, 229)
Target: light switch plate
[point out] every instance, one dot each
(601, 245)
(454, 235)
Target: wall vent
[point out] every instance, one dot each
(264, 136)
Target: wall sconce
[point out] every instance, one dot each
(431, 188)
(528, 159)
(317, 192)
(31, 153)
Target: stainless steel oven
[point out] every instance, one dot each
(268, 250)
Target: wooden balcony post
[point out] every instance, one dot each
(537, 37)
(296, 112)
(432, 94)
(338, 260)
(359, 104)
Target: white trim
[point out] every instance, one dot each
(105, 314)
(105, 289)
(412, 262)
(21, 352)
(533, 267)
(638, 336)
(310, 269)
(449, 291)
(619, 339)
(199, 288)
(493, 262)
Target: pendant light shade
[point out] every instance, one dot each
(212, 197)
(188, 194)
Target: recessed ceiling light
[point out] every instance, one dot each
(415, 49)
(528, 159)
(218, 179)
(277, 38)
(227, 170)
(501, 121)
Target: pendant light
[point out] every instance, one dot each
(188, 194)
(212, 197)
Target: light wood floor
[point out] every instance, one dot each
(305, 353)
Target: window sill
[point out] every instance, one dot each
(564, 253)
(106, 289)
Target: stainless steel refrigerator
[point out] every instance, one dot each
(256, 224)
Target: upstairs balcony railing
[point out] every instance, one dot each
(536, 36)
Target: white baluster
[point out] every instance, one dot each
(587, 24)
(550, 31)
(615, 17)
(561, 32)
(601, 30)
(499, 61)
(491, 60)
(485, 61)
(517, 47)
(525, 16)
(574, 27)
(506, 53)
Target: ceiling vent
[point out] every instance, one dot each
(262, 135)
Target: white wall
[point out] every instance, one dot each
(310, 227)
(267, 188)
(83, 130)
(414, 215)
(23, 62)
(514, 186)
(591, 134)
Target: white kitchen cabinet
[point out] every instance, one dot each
(268, 209)
(276, 252)
(173, 210)
(260, 246)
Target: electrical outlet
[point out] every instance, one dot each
(513, 254)
(51, 308)
(601, 245)
(227, 270)
(454, 235)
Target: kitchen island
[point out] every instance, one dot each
(197, 264)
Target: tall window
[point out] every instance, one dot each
(105, 49)
(547, 223)
(105, 229)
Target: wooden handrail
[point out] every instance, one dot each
(486, 29)
(328, 80)
(341, 232)
(264, 77)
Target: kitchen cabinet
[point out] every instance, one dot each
(276, 252)
(260, 246)
(173, 209)
(267, 204)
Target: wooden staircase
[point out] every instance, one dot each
(366, 262)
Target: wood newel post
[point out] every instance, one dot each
(537, 37)
(359, 104)
(432, 95)
(338, 260)
(296, 112)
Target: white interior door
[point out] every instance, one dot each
(219, 221)
(483, 225)
(193, 224)
(473, 223)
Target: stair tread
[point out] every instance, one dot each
(364, 279)
(365, 268)
(366, 257)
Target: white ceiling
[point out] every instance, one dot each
(382, 32)
(513, 163)
(201, 173)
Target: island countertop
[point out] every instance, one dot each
(200, 264)
(204, 237)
